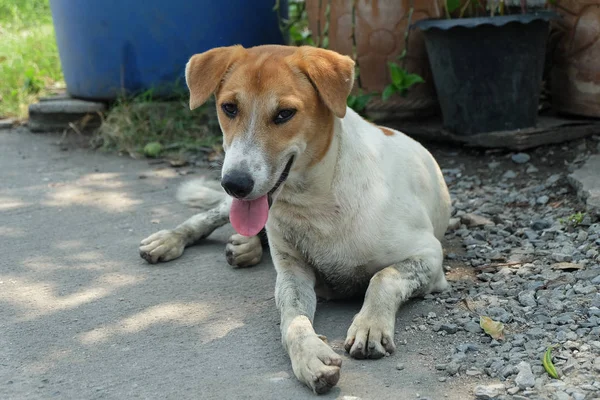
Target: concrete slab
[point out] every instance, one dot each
(58, 112)
(6, 123)
(82, 316)
(587, 182)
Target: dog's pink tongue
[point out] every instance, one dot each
(249, 217)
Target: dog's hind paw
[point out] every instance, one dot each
(242, 251)
(162, 246)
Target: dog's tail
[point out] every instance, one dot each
(201, 193)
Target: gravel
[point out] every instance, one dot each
(514, 254)
(520, 158)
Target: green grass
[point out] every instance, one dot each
(29, 62)
(134, 123)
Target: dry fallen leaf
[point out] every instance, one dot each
(176, 163)
(468, 303)
(493, 328)
(566, 266)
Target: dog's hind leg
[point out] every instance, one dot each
(371, 334)
(169, 244)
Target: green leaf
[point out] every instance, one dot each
(396, 73)
(359, 102)
(547, 363)
(388, 92)
(452, 5)
(351, 101)
(362, 101)
(412, 79)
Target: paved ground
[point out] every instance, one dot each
(82, 316)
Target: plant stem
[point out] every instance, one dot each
(354, 46)
(407, 32)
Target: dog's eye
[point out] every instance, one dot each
(284, 116)
(229, 109)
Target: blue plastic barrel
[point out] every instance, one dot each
(110, 46)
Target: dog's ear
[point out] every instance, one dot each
(331, 73)
(204, 72)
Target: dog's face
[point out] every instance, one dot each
(275, 106)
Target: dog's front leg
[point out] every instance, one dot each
(371, 334)
(169, 244)
(313, 361)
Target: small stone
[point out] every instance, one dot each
(442, 379)
(400, 366)
(562, 396)
(527, 298)
(540, 224)
(553, 179)
(490, 392)
(561, 257)
(452, 368)
(508, 371)
(513, 390)
(586, 181)
(520, 158)
(578, 396)
(473, 372)
(542, 200)
(580, 289)
(473, 327)
(531, 169)
(454, 224)
(467, 347)
(510, 174)
(525, 378)
(597, 364)
(449, 328)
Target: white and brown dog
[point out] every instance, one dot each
(349, 207)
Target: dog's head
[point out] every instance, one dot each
(276, 108)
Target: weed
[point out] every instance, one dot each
(29, 62)
(296, 27)
(573, 219)
(170, 128)
(402, 81)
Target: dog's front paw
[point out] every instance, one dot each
(164, 245)
(315, 363)
(242, 251)
(370, 336)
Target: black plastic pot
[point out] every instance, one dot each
(488, 71)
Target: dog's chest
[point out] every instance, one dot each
(337, 245)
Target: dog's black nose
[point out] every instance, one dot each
(237, 184)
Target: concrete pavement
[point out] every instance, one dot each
(82, 316)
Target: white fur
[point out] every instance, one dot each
(201, 193)
(370, 215)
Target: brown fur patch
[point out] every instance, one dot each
(263, 80)
(386, 131)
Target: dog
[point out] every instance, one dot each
(350, 208)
